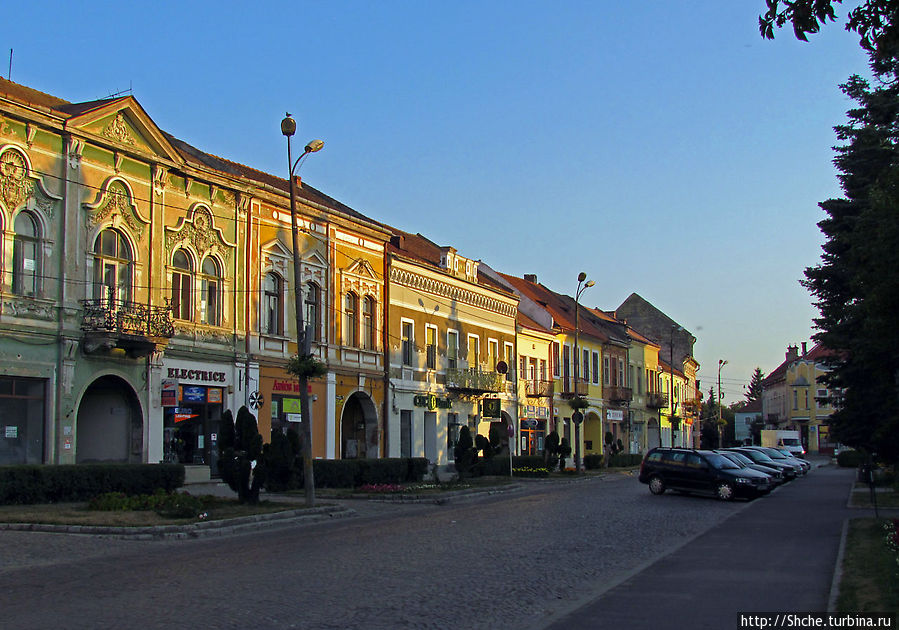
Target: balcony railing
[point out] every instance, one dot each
(570, 391)
(135, 327)
(656, 400)
(618, 394)
(474, 380)
(538, 389)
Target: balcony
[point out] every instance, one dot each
(618, 394)
(538, 389)
(656, 400)
(570, 391)
(470, 381)
(135, 328)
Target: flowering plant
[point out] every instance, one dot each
(381, 487)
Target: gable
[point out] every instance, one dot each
(124, 123)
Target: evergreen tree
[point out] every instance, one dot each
(240, 447)
(754, 391)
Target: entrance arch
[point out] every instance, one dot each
(593, 436)
(359, 427)
(109, 424)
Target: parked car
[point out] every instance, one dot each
(807, 465)
(703, 472)
(777, 456)
(789, 472)
(777, 476)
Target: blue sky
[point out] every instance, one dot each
(663, 148)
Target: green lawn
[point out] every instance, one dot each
(870, 580)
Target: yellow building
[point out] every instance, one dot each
(451, 349)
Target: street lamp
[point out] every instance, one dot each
(577, 417)
(721, 364)
(304, 338)
(674, 328)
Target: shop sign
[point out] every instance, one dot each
(193, 394)
(12, 431)
(197, 375)
(432, 402)
(528, 424)
(531, 410)
(184, 413)
(543, 412)
(492, 408)
(214, 395)
(286, 386)
(291, 405)
(294, 417)
(169, 393)
(615, 415)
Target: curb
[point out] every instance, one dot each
(838, 570)
(448, 497)
(193, 530)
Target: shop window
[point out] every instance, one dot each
(26, 255)
(210, 292)
(21, 420)
(406, 433)
(182, 286)
(273, 305)
(113, 267)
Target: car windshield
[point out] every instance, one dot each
(773, 453)
(758, 457)
(720, 462)
(790, 442)
(740, 457)
(784, 451)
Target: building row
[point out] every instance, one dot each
(148, 286)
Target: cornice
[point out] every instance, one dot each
(447, 290)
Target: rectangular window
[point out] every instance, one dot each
(406, 433)
(492, 353)
(474, 351)
(22, 420)
(606, 370)
(452, 349)
(639, 381)
(795, 399)
(805, 394)
(431, 341)
(510, 361)
(596, 368)
(566, 368)
(452, 434)
(523, 368)
(408, 341)
(586, 361)
(556, 361)
(821, 398)
(620, 372)
(542, 370)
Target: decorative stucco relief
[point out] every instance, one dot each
(18, 186)
(115, 204)
(199, 232)
(447, 290)
(117, 130)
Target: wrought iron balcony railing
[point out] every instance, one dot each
(538, 389)
(569, 390)
(618, 394)
(136, 328)
(656, 400)
(474, 380)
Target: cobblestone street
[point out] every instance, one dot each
(499, 562)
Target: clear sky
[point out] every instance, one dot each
(662, 147)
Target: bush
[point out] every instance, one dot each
(169, 504)
(625, 460)
(593, 461)
(81, 482)
(530, 472)
(353, 473)
(851, 459)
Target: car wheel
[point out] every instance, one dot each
(724, 491)
(656, 485)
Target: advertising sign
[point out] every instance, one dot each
(290, 405)
(214, 395)
(169, 393)
(193, 393)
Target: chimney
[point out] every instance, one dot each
(804, 348)
(530, 277)
(792, 353)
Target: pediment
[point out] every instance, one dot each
(362, 268)
(124, 122)
(315, 259)
(276, 248)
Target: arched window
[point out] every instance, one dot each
(113, 267)
(210, 292)
(182, 286)
(26, 269)
(313, 310)
(368, 323)
(351, 315)
(272, 305)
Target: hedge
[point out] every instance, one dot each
(625, 460)
(81, 482)
(851, 459)
(352, 473)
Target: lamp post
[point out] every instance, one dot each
(577, 417)
(304, 339)
(721, 364)
(674, 328)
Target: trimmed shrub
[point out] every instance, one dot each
(169, 504)
(353, 473)
(851, 459)
(81, 482)
(625, 460)
(593, 461)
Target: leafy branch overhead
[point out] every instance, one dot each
(306, 365)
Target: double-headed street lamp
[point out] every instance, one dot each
(577, 417)
(304, 337)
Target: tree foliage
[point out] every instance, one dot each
(241, 464)
(754, 390)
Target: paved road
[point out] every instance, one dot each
(520, 561)
(778, 554)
